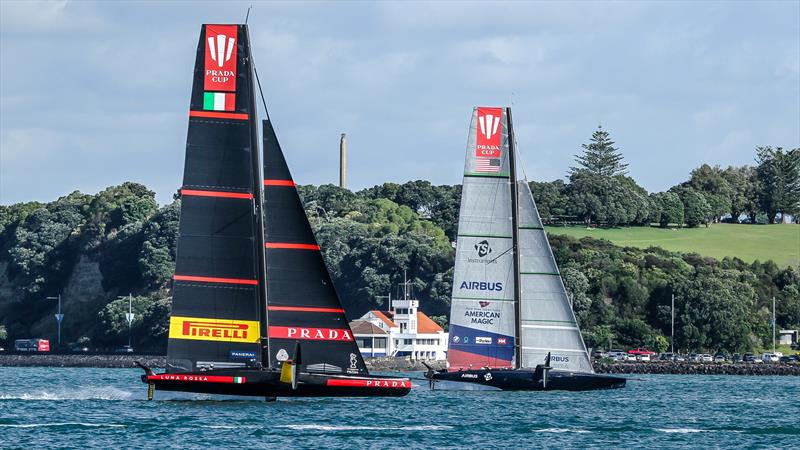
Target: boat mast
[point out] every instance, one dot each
(258, 196)
(515, 238)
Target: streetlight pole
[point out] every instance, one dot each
(129, 316)
(59, 316)
(672, 325)
(773, 324)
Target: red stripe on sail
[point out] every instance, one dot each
(291, 246)
(399, 383)
(305, 309)
(230, 102)
(223, 194)
(215, 279)
(311, 333)
(218, 115)
(279, 183)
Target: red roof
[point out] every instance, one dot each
(426, 325)
(384, 316)
(641, 351)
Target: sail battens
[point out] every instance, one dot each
(486, 175)
(306, 309)
(218, 115)
(221, 194)
(498, 236)
(555, 274)
(279, 183)
(548, 321)
(530, 227)
(549, 327)
(484, 299)
(550, 349)
(177, 277)
(291, 246)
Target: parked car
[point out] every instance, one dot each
(2, 350)
(125, 349)
(630, 358)
(643, 358)
(705, 357)
(679, 358)
(720, 357)
(666, 357)
(770, 357)
(736, 358)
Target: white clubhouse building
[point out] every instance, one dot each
(401, 332)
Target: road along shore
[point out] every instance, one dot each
(404, 365)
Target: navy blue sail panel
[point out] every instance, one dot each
(216, 316)
(303, 304)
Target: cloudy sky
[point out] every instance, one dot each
(95, 94)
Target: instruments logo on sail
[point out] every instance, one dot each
(220, 59)
(483, 249)
(213, 329)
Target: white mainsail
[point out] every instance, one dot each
(482, 316)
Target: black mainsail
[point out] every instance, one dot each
(217, 291)
(251, 289)
(303, 304)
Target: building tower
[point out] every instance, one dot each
(343, 161)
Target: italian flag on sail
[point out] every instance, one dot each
(219, 101)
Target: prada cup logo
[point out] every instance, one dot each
(488, 124)
(221, 49)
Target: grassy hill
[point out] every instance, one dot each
(780, 243)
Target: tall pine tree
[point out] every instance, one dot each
(600, 157)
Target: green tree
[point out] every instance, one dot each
(551, 199)
(778, 174)
(743, 192)
(695, 207)
(714, 187)
(577, 286)
(670, 208)
(3, 333)
(600, 157)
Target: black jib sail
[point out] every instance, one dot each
(216, 317)
(303, 304)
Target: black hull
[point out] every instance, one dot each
(530, 380)
(267, 384)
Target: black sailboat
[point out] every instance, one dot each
(254, 309)
(511, 323)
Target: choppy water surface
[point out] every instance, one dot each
(52, 408)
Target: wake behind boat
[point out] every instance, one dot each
(254, 310)
(511, 324)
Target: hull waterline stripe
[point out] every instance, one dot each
(376, 383)
(305, 309)
(197, 193)
(291, 246)
(218, 115)
(279, 183)
(215, 279)
(197, 378)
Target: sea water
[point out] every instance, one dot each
(107, 408)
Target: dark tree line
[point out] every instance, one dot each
(600, 193)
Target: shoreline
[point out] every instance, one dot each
(403, 365)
